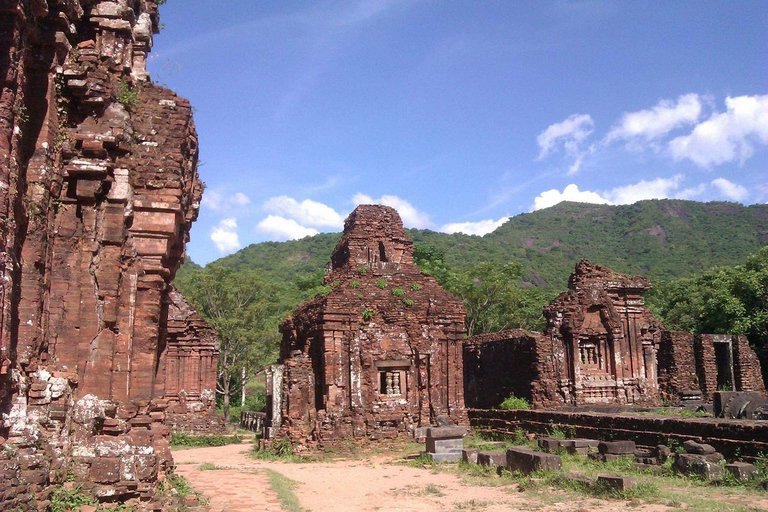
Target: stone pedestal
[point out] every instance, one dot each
(445, 443)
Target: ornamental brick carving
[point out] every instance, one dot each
(602, 345)
(380, 354)
(98, 187)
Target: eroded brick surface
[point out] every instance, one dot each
(98, 187)
(378, 356)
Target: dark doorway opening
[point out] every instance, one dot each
(724, 363)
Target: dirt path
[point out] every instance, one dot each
(362, 485)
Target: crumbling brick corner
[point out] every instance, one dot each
(380, 354)
(98, 189)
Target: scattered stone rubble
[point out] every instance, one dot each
(98, 188)
(379, 355)
(603, 346)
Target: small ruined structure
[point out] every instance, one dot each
(695, 367)
(98, 188)
(602, 345)
(607, 336)
(380, 354)
(190, 370)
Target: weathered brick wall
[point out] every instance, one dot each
(96, 200)
(749, 377)
(677, 365)
(382, 320)
(731, 437)
(512, 362)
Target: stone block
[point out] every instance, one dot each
(445, 456)
(705, 466)
(582, 446)
(662, 453)
(492, 458)
(469, 455)
(444, 445)
(618, 483)
(741, 471)
(446, 432)
(698, 448)
(527, 461)
(616, 447)
(105, 470)
(550, 444)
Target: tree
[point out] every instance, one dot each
(490, 296)
(237, 306)
(722, 300)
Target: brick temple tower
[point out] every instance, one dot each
(380, 354)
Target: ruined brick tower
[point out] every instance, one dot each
(608, 336)
(380, 354)
(98, 189)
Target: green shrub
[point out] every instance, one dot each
(408, 302)
(362, 269)
(64, 500)
(381, 283)
(415, 286)
(367, 314)
(513, 402)
(126, 95)
(397, 291)
(354, 283)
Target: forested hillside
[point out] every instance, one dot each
(661, 239)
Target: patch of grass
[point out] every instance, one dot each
(126, 95)
(284, 487)
(381, 283)
(432, 490)
(367, 314)
(64, 500)
(514, 402)
(207, 466)
(354, 283)
(415, 286)
(408, 302)
(471, 505)
(184, 439)
(397, 291)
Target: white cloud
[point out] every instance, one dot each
(224, 235)
(481, 227)
(657, 121)
(239, 199)
(306, 212)
(281, 228)
(568, 134)
(730, 190)
(216, 201)
(412, 218)
(570, 193)
(660, 188)
(726, 136)
(211, 200)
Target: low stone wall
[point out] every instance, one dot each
(733, 438)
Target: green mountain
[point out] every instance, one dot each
(661, 239)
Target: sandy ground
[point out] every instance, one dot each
(363, 485)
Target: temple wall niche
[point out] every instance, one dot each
(380, 355)
(98, 189)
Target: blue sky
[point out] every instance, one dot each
(461, 113)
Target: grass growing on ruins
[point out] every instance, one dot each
(284, 487)
(63, 499)
(514, 402)
(182, 439)
(208, 466)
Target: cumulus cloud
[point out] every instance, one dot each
(570, 193)
(660, 188)
(657, 121)
(730, 190)
(412, 217)
(568, 135)
(280, 228)
(224, 235)
(481, 227)
(727, 136)
(306, 212)
(217, 201)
